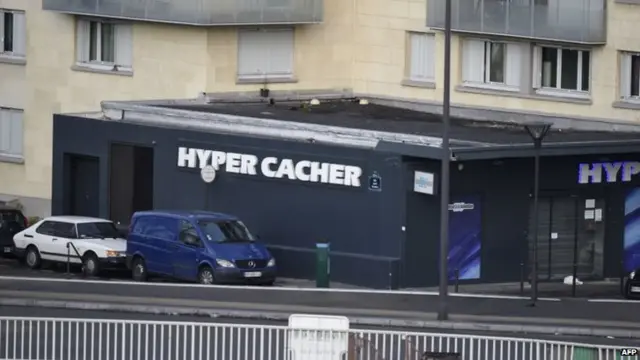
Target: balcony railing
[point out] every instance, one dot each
(576, 21)
(198, 12)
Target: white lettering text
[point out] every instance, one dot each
(304, 170)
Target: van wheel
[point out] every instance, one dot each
(205, 276)
(32, 257)
(139, 270)
(90, 265)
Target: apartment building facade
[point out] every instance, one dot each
(569, 60)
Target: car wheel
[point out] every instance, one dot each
(139, 270)
(90, 265)
(32, 257)
(205, 276)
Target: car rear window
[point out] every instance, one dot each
(12, 215)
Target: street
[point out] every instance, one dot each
(146, 336)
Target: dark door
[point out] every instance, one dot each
(84, 178)
(570, 230)
(420, 250)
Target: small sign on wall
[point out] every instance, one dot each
(423, 182)
(375, 182)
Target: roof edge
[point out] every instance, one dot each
(150, 115)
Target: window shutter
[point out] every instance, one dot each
(514, 65)
(536, 76)
(473, 61)
(281, 48)
(625, 75)
(422, 58)
(15, 147)
(124, 45)
(82, 41)
(1, 31)
(5, 131)
(416, 59)
(252, 56)
(19, 34)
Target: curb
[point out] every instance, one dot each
(358, 320)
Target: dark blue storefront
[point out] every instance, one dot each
(374, 207)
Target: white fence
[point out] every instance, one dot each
(92, 339)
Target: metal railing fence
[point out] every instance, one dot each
(95, 339)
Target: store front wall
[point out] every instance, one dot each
(583, 222)
(383, 234)
(363, 223)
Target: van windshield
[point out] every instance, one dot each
(97, 230)
(225, 231)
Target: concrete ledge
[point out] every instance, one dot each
(356, 320)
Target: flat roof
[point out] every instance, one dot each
(470, 139)
(350, 114)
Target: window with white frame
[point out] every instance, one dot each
(561, 69)
(11, 132)
(421, 60)
(630, 76)
(265, 54)
(491, 64)
(13, 33)
(104, 44)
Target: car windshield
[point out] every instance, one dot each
(99, 230)
(225, 231)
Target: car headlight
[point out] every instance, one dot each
(224, 263)
(113, 253)
(632, 275)
(272, 262)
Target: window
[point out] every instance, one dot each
(100, 230)
(558, 69)
(11, 132)
(630, 76)
(13, 33)
(46, 228)
(104, 45)
(225, 231)
(264, 54)
(491, 64)
(422, 57)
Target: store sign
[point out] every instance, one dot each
(423, 182)
(460, 207)
(272, 167)
(593, 173)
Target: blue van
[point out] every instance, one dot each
(200, 246)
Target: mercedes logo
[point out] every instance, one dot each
(252, 264)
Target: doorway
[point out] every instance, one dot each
(83, 177)
(570, 230)
(130, 181)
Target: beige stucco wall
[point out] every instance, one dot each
(360, 45)
(170, 61)
(380, 61)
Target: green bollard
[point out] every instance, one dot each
(323, 264)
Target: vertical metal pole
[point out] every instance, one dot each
(443, 313)
(536, 190)
(575, 247)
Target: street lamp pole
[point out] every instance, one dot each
(537, 132)
(443, 313)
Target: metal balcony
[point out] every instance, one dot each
(197, 12)
(574, 21)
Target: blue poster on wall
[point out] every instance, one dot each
(632, 230)
(465, 232)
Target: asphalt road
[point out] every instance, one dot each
(145, 336)
(345, 301)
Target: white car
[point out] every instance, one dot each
(94, 243)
